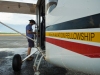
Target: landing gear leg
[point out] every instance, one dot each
(37, 64)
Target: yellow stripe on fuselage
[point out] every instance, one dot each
(85, 36)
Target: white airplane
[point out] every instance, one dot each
(69, 32)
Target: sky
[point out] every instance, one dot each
(25, 1)
(15, 20)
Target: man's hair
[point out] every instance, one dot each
(32, 21)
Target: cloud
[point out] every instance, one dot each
(16, 19)
(5, 16)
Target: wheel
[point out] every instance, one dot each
(16, 62)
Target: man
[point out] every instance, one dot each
(30, 33)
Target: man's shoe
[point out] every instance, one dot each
(29, 59)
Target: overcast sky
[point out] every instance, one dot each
(17, 21)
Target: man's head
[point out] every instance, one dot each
(32, 22)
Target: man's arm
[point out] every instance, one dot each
(30, 32)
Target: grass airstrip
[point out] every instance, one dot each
(9, 34)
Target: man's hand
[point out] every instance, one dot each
(34, 32)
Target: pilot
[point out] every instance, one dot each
(30, 33)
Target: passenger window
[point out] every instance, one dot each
(51, 4)
(51, 8)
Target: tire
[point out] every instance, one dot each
(16, 63)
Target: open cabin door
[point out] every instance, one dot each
(40, 12)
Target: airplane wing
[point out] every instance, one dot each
(17, 7)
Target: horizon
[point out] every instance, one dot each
(20, 28)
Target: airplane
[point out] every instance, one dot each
(68, 33)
